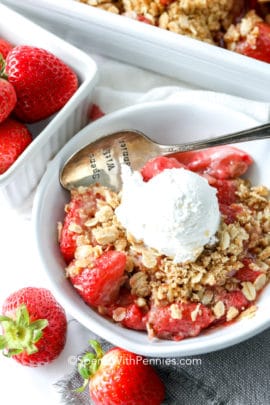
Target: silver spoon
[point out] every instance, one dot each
(100, 161)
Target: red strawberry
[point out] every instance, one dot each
(188, 321)
(95, 112)
(100, 283)
(227, 198)
(7, 99)
(80, 207)
(166, 2)
(226, 191)
(134, 317)
(246, 273)
(5, 47)
(234, 299)
(43, 83)
(14, 138)
(157, 165)
(34, 326)
(230, 212)
(144, 19)
(120, 377)
(221, 162)
(261, 49)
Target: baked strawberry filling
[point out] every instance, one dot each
(139, 287)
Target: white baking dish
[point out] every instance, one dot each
(153, 48)
(50, 135)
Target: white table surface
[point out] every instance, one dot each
(20, 268)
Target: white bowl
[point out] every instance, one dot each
(51, 134)
(167, 122)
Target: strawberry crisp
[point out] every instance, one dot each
(141, 288)
(238, 25)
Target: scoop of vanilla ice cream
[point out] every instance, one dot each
(176, 212)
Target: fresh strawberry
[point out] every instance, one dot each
(5, 47)
(119, 377)
(14, 138)
(221, 162)
(43, 83)
(80, 207)
(8, 99)
(261, 49)
(167, 325)
(157, 165)
(100, 283)
(34, 327)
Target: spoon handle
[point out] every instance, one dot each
(260, 132)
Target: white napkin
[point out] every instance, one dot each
(121, 85)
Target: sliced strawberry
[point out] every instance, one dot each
(157, 165)
(221, 162)
(226, 191)
(100, 284)
(246, 273)
(80, 206)
(144, 19)
(134, 317)
(165, 326)
(234, 299)
(166, 2)
(230, 212)
(261, 49)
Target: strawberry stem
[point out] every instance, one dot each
(20, 334)
(90, 363)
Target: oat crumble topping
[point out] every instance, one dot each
(200, 19)
(154, 277)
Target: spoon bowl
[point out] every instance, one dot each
(101, 160)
